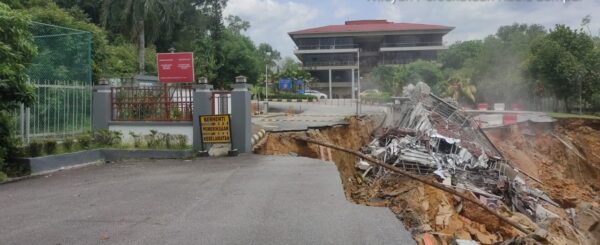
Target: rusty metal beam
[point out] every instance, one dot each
(422, 180)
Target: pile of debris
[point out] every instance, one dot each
(432, 137)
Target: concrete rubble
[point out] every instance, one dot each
(432, 137)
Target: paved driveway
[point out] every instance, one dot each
(250, 199)
(310, 115)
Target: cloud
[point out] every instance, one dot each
(271, 20)
(341, 8)
(475, 20)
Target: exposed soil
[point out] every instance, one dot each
(564, 156)
(438, 217)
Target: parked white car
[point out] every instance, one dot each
(315, 93)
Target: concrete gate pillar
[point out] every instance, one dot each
(202, 106)
(101, 111)
(241, 124)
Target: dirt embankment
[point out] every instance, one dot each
(565, 157)
(429, 213)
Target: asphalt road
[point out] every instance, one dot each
(309, 115)
(250, 199)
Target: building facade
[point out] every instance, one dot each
(338, 55)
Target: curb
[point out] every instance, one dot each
(257, 137)
(74, 159)
(295, 100)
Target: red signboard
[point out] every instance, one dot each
(175, 67)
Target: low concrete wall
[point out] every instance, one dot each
(143, 128)
(56, 162)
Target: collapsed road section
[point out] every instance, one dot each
(446, 180)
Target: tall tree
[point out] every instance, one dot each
(141, 20)
(566, 61)
(460, 53)
(461, 89)
(91, 8)
(237, 24)
(394, 78)
(498, 69)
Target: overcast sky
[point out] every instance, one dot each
(271, 20)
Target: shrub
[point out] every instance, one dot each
(137, 139)
(16, 169)
(105, 137)
(35, 148)
(152, 139)
(117, 138)
(102, 137)
(284, 95)
(167, 139)
(50, 147)
(182, 140)
(3, 176)
(84, 141)
(68, 143)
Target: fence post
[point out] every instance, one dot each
(202, 106)
(101, 107)
(240, 116)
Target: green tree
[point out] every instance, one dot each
(48, 12)
(205, 58)
(461, 89)
(289, 63)
(16, 53)
(384, 77)
(239, 57)
(565, 61)
(142, 20)
(394, 78)
(236, 24)
(91, 9)
(459, 53)
(498, 69)
(268, 55)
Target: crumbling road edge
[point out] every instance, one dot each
(424, 181)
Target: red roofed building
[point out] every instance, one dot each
(337, 55)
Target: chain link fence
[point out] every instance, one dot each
(62, 77)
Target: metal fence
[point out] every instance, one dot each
(152, 103)
(62, 79)
(221, 102)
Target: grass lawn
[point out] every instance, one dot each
(571, 116)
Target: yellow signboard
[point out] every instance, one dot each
(215, 129)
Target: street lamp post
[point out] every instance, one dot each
(358, 84)
(268, 54)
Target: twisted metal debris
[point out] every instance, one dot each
(435, 137)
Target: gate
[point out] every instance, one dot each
(152, 103)
(221, 102)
